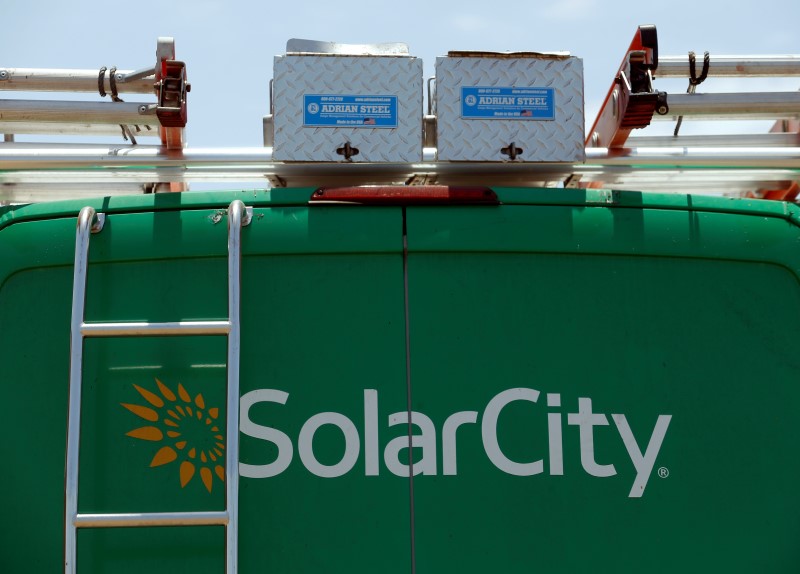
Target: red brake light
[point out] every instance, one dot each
(407, 195)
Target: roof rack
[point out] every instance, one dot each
(766, 163)
(761, 165)
(164, 118)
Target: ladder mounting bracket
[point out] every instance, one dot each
(172, 90)
(98, 222)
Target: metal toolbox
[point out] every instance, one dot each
(336, 103)
(509, 106)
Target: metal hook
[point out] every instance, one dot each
(127, 133)
(694, 81)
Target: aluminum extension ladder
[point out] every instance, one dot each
(90, 222)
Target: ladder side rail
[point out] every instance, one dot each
(732, 66)
(69, 112)
(72, 80)
(678, 157)
(147, 129)
(85, 222)
(737, 105)
(238, 216)
(717, 140)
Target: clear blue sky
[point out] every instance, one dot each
(229, 45)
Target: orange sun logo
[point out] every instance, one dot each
(190, 429)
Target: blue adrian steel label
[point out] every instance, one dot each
(337, 111)
(507, 103)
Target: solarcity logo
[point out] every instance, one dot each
(184, 429)
(584, 418)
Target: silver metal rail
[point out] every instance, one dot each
(34, 192)
(151, 519)
(72, 80)
(745, 105)
(90, 222)
(26, 175)
(126, 113)
(124, 163)
(767, 140)
(156, 329)
(194, 162)
(697, 157)
(722, 182)
(147, 128)
(731, 66)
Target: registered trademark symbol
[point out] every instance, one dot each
(663, 472)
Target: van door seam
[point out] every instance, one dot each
(408, 394)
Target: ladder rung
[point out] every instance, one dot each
(155, 329)
(151, 519)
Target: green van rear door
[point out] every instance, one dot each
(611, 387)
(323, 356)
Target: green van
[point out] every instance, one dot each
(503, 380)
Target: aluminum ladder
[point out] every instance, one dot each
(91, 222)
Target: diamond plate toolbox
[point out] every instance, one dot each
(509, 106)
(347, 108)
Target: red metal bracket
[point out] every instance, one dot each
(170, 74)
(631, 101)
(172, 136)
(788, 193)
(172, 89)
(791, 190)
